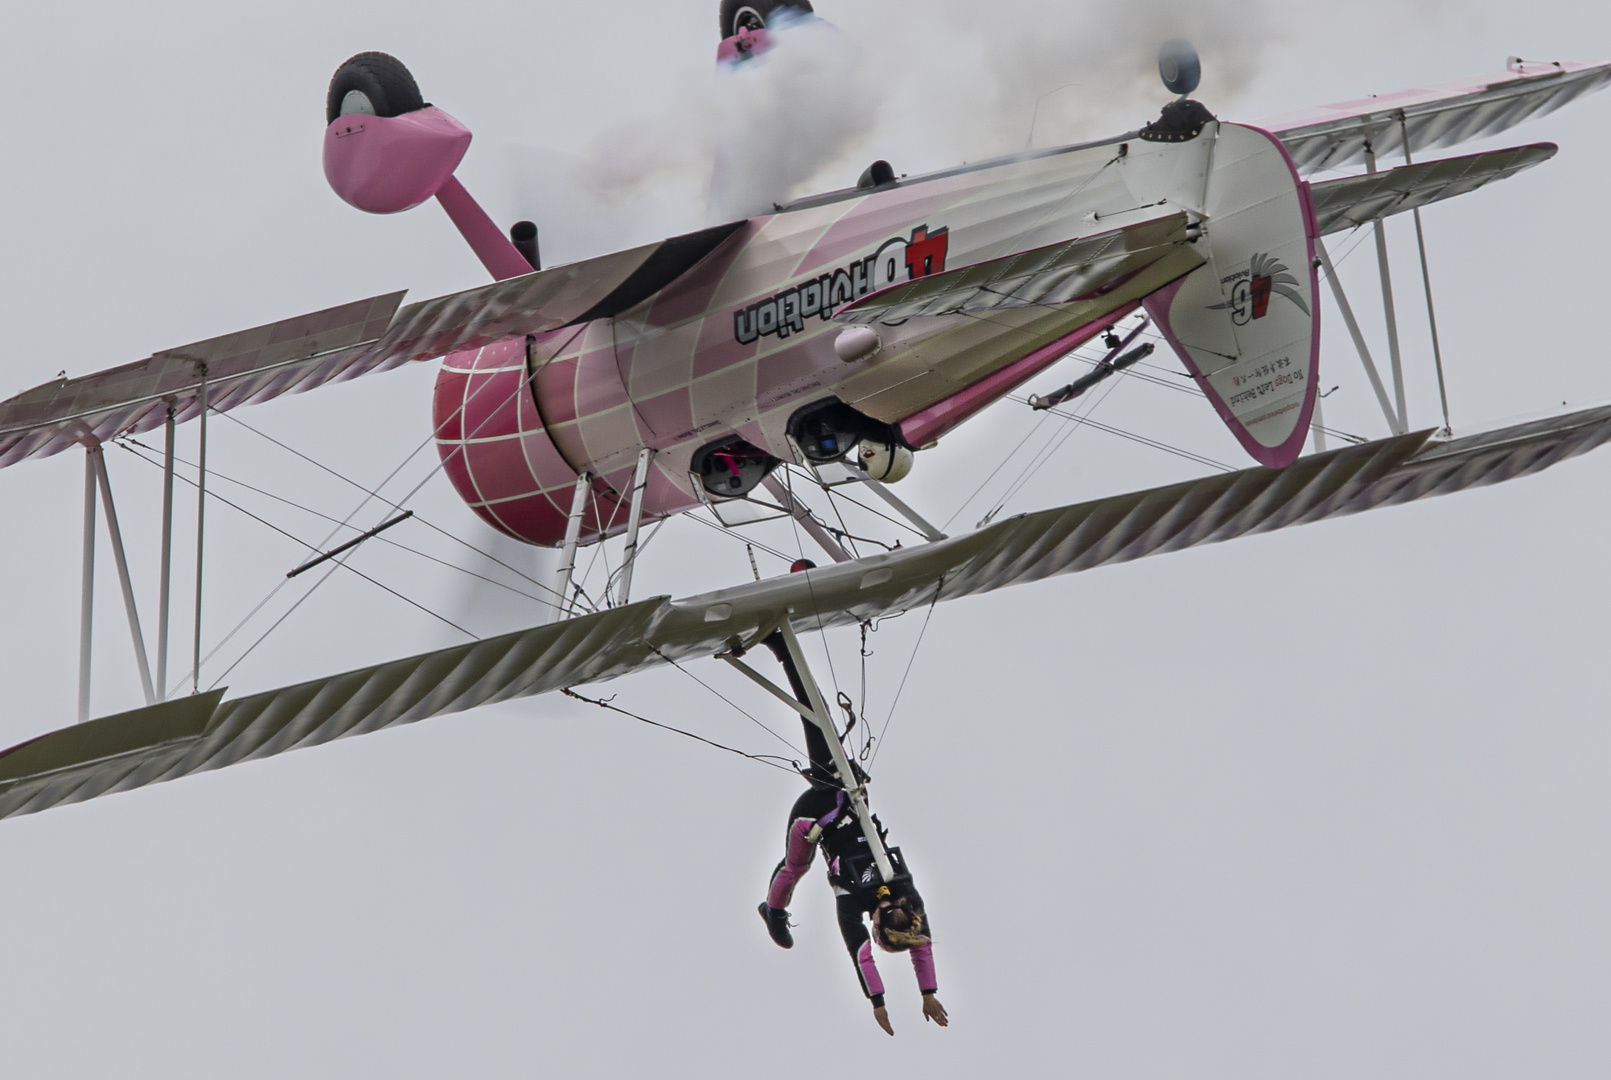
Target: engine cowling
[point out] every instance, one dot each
(495, 449)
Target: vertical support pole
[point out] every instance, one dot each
(841, 763)
(802, 514)
(1359, 338)
(165, 581)
(567, 558)
(640, 485)
(201, 532)
(1317, 427)
(115, 534)
(1426, 281)
(1432, 321)
(86, 609)
(1395, 357)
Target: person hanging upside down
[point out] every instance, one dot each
(823, 817)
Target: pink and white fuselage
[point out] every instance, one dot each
(744, 339)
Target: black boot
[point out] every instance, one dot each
(777, 924)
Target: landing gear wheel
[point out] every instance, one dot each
(372, 83)
(756, 14)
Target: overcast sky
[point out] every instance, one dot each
(1325, 803)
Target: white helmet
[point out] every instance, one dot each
(884, 462)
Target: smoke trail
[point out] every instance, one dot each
(925, 83)
(977, 76)
(767, 129)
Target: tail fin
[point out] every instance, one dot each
(1247, 323)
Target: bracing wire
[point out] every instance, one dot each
(1047, 453)
(883, 733)
(298, 540)
(521, 388)
(730, 702)
(774, 760)
(741, 538)
(1141, 439)
(422, 520)
(388, 541)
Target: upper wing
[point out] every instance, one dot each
(196, 734)
(1355, 200)
(1442, 115)
(252, 365)
(334, 345)
(1087, 271)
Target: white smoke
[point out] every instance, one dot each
(975, 76)
(750, 135)
(923, 83)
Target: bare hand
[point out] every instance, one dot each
(881, 1014)
(933, 1010)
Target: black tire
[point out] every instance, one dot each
(381, 78)
(756, 14)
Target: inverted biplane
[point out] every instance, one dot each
(829, 342)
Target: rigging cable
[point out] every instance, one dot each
(126, 441)
(736, 707)
(365, 502)
(773, 760)
(395, 506)
(741, 538)
(1133, 437)
(899, 690)
(1047, 453)
(340, 563)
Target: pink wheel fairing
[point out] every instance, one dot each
(387, 164)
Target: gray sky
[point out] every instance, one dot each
(1325, 803)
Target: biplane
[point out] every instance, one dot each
(829, 341)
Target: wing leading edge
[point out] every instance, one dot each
(1445, 114)
(1357, 200)
(334, 345)
(167, 742)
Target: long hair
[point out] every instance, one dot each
(899, 924)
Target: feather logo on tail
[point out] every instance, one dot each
(1252, 288)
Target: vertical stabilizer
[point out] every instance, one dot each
(1247, 323)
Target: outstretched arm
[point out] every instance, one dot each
(860, 945)
(923, 965)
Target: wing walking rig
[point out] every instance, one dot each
(580, 401)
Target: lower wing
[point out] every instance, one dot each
(171, 740)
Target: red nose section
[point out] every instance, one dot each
(387, 164)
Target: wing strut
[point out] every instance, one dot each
(1389, 310)
(1426, 280)
(1394, 424)
(802, 513)
(86, 603)
(567, 558)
